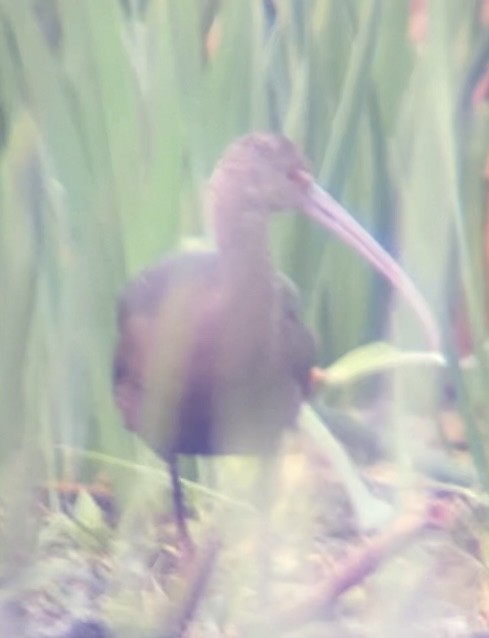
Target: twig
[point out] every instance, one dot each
(435, 514)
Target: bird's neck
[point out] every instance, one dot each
(242, 239)
(250, 338)
(241, 234)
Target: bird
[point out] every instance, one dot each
(213, 356)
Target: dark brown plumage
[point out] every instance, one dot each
(213, 356)
(198, 427)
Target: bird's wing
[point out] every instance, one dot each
(145, 292)
(166, 299)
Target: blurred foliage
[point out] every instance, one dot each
(112, 115)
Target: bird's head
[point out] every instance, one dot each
(262, 173)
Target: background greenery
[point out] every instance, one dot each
(112, 115)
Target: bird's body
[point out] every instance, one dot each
(213, 356)
(211, 318)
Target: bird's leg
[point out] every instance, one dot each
(179, 508)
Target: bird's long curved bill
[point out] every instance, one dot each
(325, 210)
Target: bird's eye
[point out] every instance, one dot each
(300, 177)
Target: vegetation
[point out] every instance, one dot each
(112, 115)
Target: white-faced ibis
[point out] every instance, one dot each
(213, 356)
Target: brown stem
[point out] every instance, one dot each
(361, 563)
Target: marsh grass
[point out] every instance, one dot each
(112, 115)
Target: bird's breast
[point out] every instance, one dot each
(207, 369)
